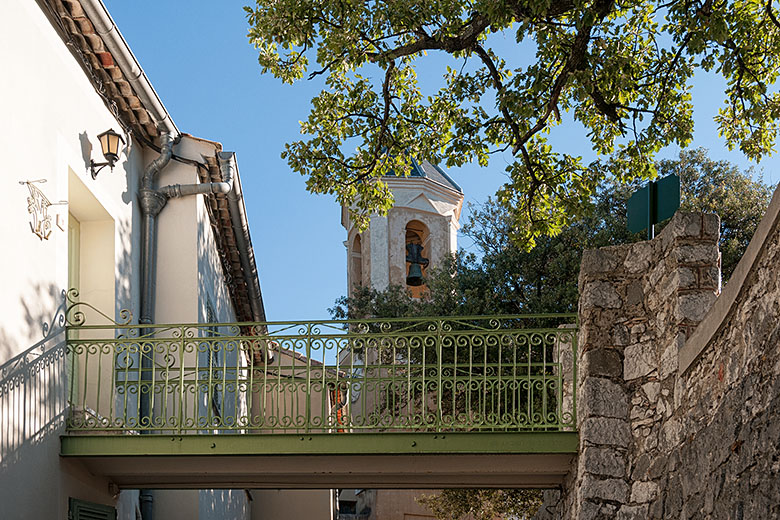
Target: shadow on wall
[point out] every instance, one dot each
(216, 504)
(33, 390)
(126, 274)
(211, 271)
(86, 148)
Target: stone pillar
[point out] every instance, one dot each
(638, 304)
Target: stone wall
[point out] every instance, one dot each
(656, 442)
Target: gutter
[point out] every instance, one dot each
(153, 200)
(128, 64)
(238, 220)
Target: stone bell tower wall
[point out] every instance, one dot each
(382, 257)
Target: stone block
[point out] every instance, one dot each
(641, 465)
(659, 467)
(657, 273)
(668, 364)
(705, 253)
(642, 492)
(639, 360)
(671, 433)
(601, 362)
(639, 257)
(602, 397)
(651, 441)
(694, 306)
(589, 511)
(612, 489)
(651, 390)
(599, 261)
(603, 461)
(711, 226)
(685, 278)
(634, 294)
(600, 294)
(604, 431)
(686, 225)
(709, 277)
(620, 335)
(632, 513)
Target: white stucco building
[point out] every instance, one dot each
(162, 233)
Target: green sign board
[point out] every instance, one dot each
(652, 204)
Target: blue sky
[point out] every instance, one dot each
(198, 58)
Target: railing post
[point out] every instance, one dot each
(439, 392)
(574, 354)
(181, 384)
(308, 378)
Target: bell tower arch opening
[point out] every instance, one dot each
(416, 244)
(355, 264)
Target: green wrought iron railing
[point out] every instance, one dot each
(477, 373)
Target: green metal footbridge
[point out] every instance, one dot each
(476, 401)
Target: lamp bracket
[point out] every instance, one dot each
(99, 166)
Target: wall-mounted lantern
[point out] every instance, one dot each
(109, 145)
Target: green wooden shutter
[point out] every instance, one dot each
(82, 510)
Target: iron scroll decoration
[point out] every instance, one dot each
(38, 207)
(76, 317)
(397, 374)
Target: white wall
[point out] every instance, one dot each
(51, 116)
(292, 504)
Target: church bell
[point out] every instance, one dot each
(414, 278)
(416, 263)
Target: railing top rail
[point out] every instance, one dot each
(76, 318)
(494, 321)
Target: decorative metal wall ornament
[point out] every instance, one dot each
(38, 207)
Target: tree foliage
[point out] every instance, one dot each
(509, 279)
(483, 504)
(505, 278)
(507, 71)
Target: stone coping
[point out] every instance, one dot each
(725, 303)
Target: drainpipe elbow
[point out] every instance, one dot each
(226, 167)
(167, 141)
(221, 187)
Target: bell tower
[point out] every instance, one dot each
(418, 232)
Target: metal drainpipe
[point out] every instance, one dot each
(151, 203)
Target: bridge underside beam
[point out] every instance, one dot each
(385, 460)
